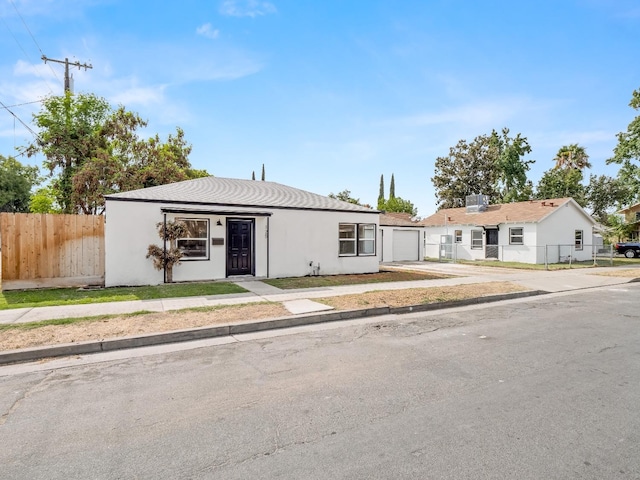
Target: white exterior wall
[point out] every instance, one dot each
(551, 239)
(559, 229)
(385, 241)
(525, 253)
(284, 243)
(299, 238)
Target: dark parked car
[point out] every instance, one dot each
(628, 249)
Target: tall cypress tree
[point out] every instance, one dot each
(392, 188)
(381, 193)
(253, 175)
(263, 172)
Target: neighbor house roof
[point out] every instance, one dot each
(632, 208)
(531, 211)
(397, 219)
(236, 192)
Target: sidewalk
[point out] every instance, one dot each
(299, 303)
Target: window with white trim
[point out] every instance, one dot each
(194, 245)
(578, 240)
(458, 236)
(516, 236)
(357, 239)
(476, 239)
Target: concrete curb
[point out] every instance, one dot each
(82, 348)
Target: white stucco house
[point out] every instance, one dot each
(400, 238)
(535, 231)
(238, 228)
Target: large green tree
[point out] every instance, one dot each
(560, 183)
(92, 150)
(627, 154)
(470, 168)
(513, 185)
(628, 147)
(69, 134)
(602, 194)
(400, 205)
(16, 182)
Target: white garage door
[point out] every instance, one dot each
(406, 245)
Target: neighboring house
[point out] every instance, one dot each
(400, 239)
(238, 228)
(632, 216)
(535, 231)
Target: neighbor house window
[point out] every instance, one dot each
(578, 239)
(637, 217)
(516, 236)
(194, 244)
(476, 239)
(458, 236)
(357, 239)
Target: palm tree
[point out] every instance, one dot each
(572, 156)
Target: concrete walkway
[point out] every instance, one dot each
(304, 311)
(301, 301)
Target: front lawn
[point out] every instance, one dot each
(77, 296)
(353, 279)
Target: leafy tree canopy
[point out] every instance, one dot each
(628, 147)
(560, 183)
(604, 193)
(513, 185)
(345, 196)
(92, 150)
(398, 204)
(470, 168)
(16, 181)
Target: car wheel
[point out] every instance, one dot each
(630, 253)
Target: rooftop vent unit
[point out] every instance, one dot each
(477, 203)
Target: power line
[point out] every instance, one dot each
(22, 104)
(8, 109)
(24, 51)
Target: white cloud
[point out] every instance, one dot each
(206, 31)
(247, 8)
(137, 95)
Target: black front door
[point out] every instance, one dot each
(491, 248)
(240, 247)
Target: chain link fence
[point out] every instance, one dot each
(568, 254)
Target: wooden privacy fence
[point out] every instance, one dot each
(44, 250)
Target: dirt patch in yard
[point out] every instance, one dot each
(128, 325)
(418, 296)
(628, 273)
(131, 325)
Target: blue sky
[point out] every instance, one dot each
(330, 94)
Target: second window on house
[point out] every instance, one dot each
(194, 243)
(357, 239)
(476, 239)
(516, 236)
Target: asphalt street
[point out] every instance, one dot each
(542, 388)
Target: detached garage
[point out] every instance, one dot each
(401, 239)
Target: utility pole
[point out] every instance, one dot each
(67, 82)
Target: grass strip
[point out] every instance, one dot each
(79, 296)
(353, 279)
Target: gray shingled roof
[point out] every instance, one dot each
(236, 192)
